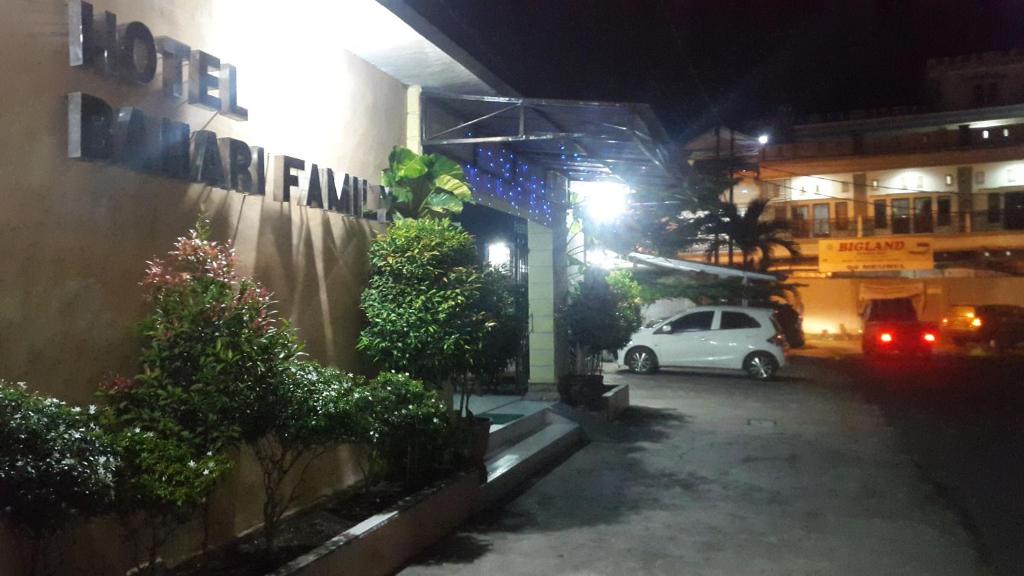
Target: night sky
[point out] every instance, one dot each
(703, 62)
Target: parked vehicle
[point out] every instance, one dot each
(997, 325)
(792, 324)
(891, 328)
(715, 337)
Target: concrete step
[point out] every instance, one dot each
(503, 436)
(514, 464)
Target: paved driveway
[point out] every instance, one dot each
(719, 475)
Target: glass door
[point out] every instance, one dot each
(900, 215)
(923, 222)
(1013, 211)
(821, 223)
(800, 219)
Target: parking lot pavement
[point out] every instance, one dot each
(718, 475)
(961, 420)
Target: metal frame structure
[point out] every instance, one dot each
(581, 140)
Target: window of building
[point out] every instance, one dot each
(979, 177)
(842, 216)
(881, 218)
(945, 210)
(923, 214)
(737, 321)
(821, 222)
(949, 179)
(900, 216)
(779, 213)
(994, 215)
(694, 322)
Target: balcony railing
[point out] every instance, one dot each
(895, 224)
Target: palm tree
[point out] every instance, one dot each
(753, 236)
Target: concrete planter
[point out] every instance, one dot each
(614, 401)
(383, 543)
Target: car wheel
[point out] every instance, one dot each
(761, 366)
(642, 361)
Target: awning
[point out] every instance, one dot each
(688, 266)
(617, 141)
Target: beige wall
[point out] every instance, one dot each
(75, 236)
(831, 302)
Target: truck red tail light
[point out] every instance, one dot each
(928, 337)
(885, 337)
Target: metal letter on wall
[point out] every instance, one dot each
(81, 34)
(105, 49)
(258, 171)
(90, 127)
(284, 180)
(130, 145)
(314, 192)
(200, 81)
(172, 76)
(333, 199)
(204, 159)
(237, 159)
(137, 53)
(174, 148)
(229, 94)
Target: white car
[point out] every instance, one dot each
(716, 337)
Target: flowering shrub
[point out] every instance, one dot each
(212, 352)
(56, 465)
(408, 429)
(314, 408)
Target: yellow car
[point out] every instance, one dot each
(998, 325)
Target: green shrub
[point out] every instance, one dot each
(314, 409)
(422, 301)
(408, 429)
(56, 466)
(503, 304)
(213, 350)
(602, 314)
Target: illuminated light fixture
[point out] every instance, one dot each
(949, 179)
(885, 337)
(744, 191)
(929, 337)
(976, 322)
(874, 184)
(603, 201)
(1006, 132)
(984, 134)
(762, 139)
(499, 255)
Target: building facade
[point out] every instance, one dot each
(948, 179)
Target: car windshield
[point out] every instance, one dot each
(655, 322)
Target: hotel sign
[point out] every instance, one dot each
(875, 255)
(126, 136)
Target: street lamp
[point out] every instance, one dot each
(762, 139)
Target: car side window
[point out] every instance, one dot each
(737, 321)
(693, 322)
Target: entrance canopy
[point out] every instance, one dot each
(515, 141)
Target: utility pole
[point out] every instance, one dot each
(732, 183)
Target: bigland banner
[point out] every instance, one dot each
(875, 255)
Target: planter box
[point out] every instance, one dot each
(614, 401)
(383, 543)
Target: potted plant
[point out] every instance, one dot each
(602, 314)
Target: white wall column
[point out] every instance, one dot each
(547, 293)
(413, 117)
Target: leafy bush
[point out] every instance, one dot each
(408, 429)
(602, 314)
(56, 466)
(503, 304)
(422, 301)
(314, 408)
(424, 185)
(212, 352)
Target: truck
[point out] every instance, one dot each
(892, 328)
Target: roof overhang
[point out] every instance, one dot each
(393, 37)
(698, 267)
(581, 140)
